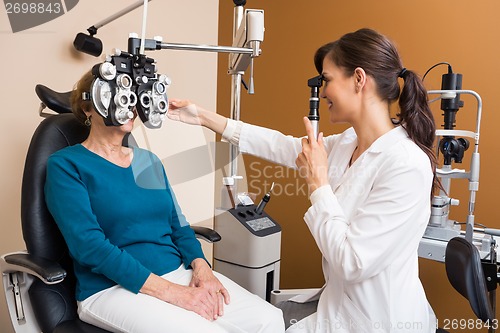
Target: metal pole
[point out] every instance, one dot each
(209, 48)
(235, 97)
(235, 114)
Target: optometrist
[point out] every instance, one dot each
(370, 186)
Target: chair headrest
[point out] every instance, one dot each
(56, 101)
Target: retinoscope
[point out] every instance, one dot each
(314, 83)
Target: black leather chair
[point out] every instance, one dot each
(39, 283)
(464, 269)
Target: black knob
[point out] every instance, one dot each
(240, 2)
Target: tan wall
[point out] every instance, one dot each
(45, 54)
(464, 33)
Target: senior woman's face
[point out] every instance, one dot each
(98, 120)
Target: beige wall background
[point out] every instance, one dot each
(45, 55)
(463, 33)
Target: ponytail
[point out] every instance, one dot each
(416, 117)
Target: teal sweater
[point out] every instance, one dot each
(120, 224)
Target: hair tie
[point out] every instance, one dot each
(402, 74)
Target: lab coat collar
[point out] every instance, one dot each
(388, 139)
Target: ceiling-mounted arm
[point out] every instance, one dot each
(92, 45)
(115, 16)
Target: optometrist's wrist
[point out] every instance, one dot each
(319, 193)
(212, 120)
(232, 131)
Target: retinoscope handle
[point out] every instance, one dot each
(314, 83)
(264, 201)
(262, 204)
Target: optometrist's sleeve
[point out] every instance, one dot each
(263, 142)
(232, 131)
(387, 225)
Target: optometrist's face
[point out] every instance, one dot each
(339, 92)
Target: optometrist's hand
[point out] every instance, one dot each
(189, 113)
(203, 277)
(312, 161)
(184, 111)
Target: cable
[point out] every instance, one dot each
(244, 84)
(450, 70)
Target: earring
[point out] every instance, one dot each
(88, 121)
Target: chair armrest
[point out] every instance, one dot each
(48, 271)
(51, 272)
(206, 234)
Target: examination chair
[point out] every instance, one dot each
(39, 283)
(471, 277)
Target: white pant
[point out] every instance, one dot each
(119, 310)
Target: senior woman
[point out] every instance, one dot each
(138, 266)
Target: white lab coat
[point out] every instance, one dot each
(367, 225)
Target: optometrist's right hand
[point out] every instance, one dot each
(198, 300)
(184, 111)
(189, 113)
(313, 160)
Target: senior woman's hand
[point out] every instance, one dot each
(312, 161)
(203, 277)
(197, 299)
